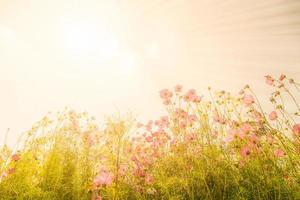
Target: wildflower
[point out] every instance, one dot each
(218, 118)
(273, 115)
(11, 170)
(258, 116)
(248, 99)
(182, 124)
(246, 128)
(104, 178)
(190, 95)
(15, 157)
(279, 153)
(122, 170)
(269, 80)
(149, 138)
(296, 129)
(165, 94)
(165, 121)
(245, 151)
(149, 179)
(178, 88)
(167, 102)
(282, 77)
(229, 139)
(253, 138)
(3, 175)
(191, 137)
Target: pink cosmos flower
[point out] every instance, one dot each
(190, 95)
(149, 179)
(167, 102)
(258, 116)
(273, 115)
(218, 118)
(165, 121)
(15, 157)
(149, 138)
(3, 175)
(253, 138)
(279, 153)
(165, 94)
(245, 151)
(246, 128)
(269, 80)
(282, 77)
(296, 129)
(192, 118)
(248, 99)
(11, 170)
(229, 139)
(178, 88)
(191, 137)
(182, 124)
(103, 178)
(122, 170)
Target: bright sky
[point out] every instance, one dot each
(106, 56)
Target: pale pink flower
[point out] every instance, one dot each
(167, 102)
(253, 138)
(149, 179)
(229, 139)
(165, 121)
(192, 118)
(191, 137)
(296, 129)
(91, 140)
(149, 125)
(15, 157)
(182, 124)
(122, 170)
(103, 178)
(3, 175)
(178, 88)
(248, 99)
(11, 170)
(279, 153)
(190, 95)
(165, 94)
(215, 134)
(258, 116)
(245, 151)
(197, 99)
(149, 138)
(273, 115)
(269, 80)
(246, 128)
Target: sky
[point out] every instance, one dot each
(110, 56)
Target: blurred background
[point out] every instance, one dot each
(110, 56)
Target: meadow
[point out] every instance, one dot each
(220, 146)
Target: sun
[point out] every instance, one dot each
(87, 40)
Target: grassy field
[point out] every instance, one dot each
(223, 146)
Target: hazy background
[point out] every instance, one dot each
(115, 55)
